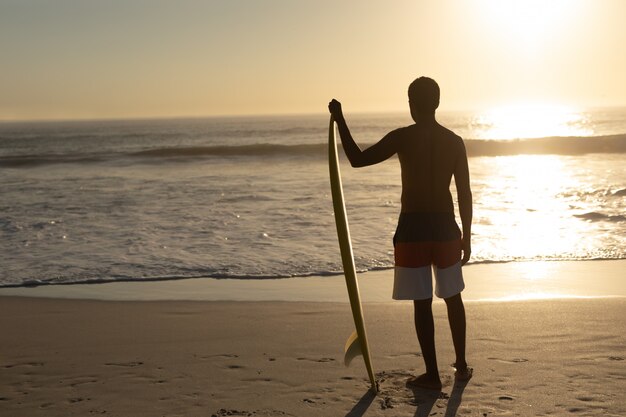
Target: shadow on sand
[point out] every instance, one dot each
(455, 398)
(424, 399)
(362, 405)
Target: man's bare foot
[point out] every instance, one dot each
(424, 381)
(463, 373)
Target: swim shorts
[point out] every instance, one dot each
(425, 242)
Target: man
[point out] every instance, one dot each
(427, 237)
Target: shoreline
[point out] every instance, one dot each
(511, 281)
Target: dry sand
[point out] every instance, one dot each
(185, 358)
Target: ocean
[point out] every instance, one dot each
(249, 197)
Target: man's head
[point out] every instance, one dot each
(423, 98)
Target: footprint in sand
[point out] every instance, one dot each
(318, 360)
(125, 364)
(585, 398)
(575, 410)
(257, 379)
(222, 412)
(82, 380)
(394, 392)
(404, 355)
(514, 360)
(13, 365)
(76, 400)
(218, 356)
(386, 403)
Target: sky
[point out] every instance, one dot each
(88, 59)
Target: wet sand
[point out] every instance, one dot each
(499, 281)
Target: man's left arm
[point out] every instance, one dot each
(464, 195)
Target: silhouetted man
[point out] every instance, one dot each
(427, 237)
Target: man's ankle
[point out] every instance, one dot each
(433, 375)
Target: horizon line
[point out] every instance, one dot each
(253, 115)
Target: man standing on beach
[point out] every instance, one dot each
(427, 237)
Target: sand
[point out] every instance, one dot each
(62, 357)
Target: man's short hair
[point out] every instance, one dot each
(424, 95)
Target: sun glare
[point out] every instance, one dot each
(530, 121)
(527, 23)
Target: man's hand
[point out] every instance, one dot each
(335, 109)
(466, 247)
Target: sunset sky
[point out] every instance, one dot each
(152, 58)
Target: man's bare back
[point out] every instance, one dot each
(429, 157)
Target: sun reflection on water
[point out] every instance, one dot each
(519, 207)
(530, 121)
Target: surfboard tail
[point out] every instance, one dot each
(353, 349)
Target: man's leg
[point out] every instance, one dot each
(456, 318)
(425, 328)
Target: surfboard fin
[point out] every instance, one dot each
(352, 348)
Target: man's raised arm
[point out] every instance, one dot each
(376, 153)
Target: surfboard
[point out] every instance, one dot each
(357, 342)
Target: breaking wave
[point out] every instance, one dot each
(551, 145)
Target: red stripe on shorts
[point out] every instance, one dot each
(419, 254)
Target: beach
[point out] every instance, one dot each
(532, 357)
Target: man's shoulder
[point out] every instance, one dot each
(452, 139)
(399, 135)
(449, 134)
(402, 131)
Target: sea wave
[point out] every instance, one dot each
(551, 145)
(27, 161)
(595, 216)
(260, 149)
